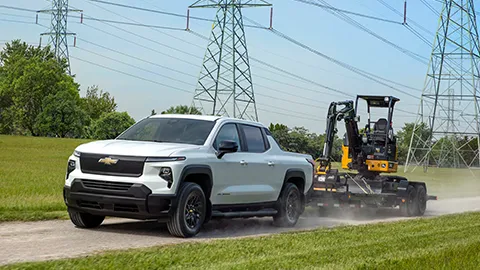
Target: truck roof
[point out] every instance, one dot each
(206, 118)
(187, 116)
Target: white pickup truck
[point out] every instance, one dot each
(184, 170)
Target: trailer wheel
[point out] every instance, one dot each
(421, 200)
(409, 208)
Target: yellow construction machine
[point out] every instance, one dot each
(368, 160)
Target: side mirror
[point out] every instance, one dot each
(226, 147)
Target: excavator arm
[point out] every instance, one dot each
(338, 113)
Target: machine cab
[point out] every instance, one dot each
(378, 138)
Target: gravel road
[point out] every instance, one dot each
(35, 241)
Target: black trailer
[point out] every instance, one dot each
(351, 190)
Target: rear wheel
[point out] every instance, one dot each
(290, 207)
(409, 208)
(190, 213)
(84, 220)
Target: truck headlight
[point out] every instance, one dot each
(71, 167)
(167, 175)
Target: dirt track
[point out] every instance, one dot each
(33, 241)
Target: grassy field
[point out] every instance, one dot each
(448, 242)
(32, 172)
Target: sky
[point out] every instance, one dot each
(140, 86)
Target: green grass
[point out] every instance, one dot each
(448, 242)
(32, 175)
(32, 172)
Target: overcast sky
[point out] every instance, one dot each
(299, 102)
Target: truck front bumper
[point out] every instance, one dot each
(114, 199)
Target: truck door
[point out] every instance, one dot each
(231, 170)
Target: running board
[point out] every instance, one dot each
(261, 213)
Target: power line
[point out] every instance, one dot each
(170, 87)
(131, 65)
(156, 30)
(136, 58)
(430, 7)
(129, 23)
(335, 90)
(16, 21)
(262, 86)
(17, 8)
(356, 24)
(140, 45)
(344, 65)
(348, 12)
(161, 12)
(399, 13)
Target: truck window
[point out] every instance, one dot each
(228, 132)
(254, 139)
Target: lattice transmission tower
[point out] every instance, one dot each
(447, 129)
(58, 34)
(225, 83)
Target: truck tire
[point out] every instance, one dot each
(421, 200)
(410, 207)
(84, 220)
(289, 207)
(188, 217)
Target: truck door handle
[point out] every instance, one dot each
(243, 162)
(271, 163)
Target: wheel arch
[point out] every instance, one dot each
(296, 177)
(201, 175)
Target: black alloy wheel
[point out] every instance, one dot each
(289, 206)
(193, 211)
(190, 212)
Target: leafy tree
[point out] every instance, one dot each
(281, 134)
(112, 124)
(153, 112)
(97, 102)
(182, 109)
(62, 115)
(29, 74)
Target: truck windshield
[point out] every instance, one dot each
(169, 130)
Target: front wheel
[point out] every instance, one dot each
(84, 220)
(290, 207)
(189, 216)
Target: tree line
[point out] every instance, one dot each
(39, 98)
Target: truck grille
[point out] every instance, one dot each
(125, 165)
(116, 186)
(116, 207)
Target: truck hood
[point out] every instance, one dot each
(133, 148)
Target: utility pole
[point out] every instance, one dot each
(225, 84)
(58, 34)
(447, 128)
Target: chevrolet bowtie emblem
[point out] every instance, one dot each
(108, 161)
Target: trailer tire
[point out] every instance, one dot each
(421, 200)
(409, 208)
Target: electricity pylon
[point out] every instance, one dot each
(447, 129)
(58, 29)
(225, 83)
